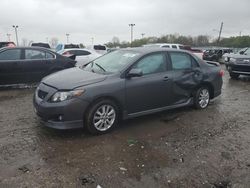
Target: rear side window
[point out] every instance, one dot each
(81, 52)
(174, 46)
(166, 46)
(34, 54)
(67, 46)
(49, 56)
(150, 64)
(99, 47)
(12, 54)
(180, 61)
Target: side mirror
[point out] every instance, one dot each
(241, 52)
(134, 73)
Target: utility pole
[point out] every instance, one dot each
(67, 35)
(8, 36)
(221, 26)
(15, 27)
(92, 40)
(131, 32)
(142, 35)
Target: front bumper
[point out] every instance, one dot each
(62, 115)
(239, 68)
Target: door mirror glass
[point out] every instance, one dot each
(134, 73)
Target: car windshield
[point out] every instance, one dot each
(247, 52)
(112, 62)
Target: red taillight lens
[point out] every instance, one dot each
(221, 73)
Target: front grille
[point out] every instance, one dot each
(42, 94)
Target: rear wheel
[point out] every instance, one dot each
(102, 117)
(234, 75)
(202, 98)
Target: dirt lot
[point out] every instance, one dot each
(180, 148)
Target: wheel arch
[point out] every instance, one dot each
(209, 86)
(111, 98)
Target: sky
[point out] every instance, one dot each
(41, 20)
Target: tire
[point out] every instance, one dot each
(102, 117)
(234, 75)
(202, 98)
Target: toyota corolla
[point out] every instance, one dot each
(124, 84)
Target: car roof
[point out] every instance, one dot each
(28, 47)
(83, 49)
(144, 50)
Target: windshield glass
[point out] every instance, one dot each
(247, 52)
(112, 62)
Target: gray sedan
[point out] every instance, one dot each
(125, 84)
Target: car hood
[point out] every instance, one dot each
(72, 78)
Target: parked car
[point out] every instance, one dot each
(29, 64)
(213, 55)
(124, 84)
(226, 57)
(83, 56)
(7, 44)
(101, 49)
(197, 52)
(60, 47)
(40, 44)
(239, 64)
(165, 45)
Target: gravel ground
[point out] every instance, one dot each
(179, 148)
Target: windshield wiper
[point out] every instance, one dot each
(100, 67)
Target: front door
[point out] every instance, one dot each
(11, 67)
(153, 89)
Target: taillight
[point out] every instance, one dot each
(66, 54)
(221, 73)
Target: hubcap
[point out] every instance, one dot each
(104, 117)
(204, 98)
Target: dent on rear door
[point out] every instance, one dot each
(184, 83)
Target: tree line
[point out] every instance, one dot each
(197, 41)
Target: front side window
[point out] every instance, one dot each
(112, 62)
(180, 61)
(34, 54)
(150, 64)
(12, 54)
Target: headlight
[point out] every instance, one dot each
(65, 95)
(232, 60)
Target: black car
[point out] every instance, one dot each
(7, 44)
(213, 55)
(125, 84)
(239, 64)
(30, 64)
(41, 44)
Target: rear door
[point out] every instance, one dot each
(37, 64)
(11, 67)
(186, 76)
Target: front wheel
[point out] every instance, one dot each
(102, 117)
(202, 98)
(234, 75)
